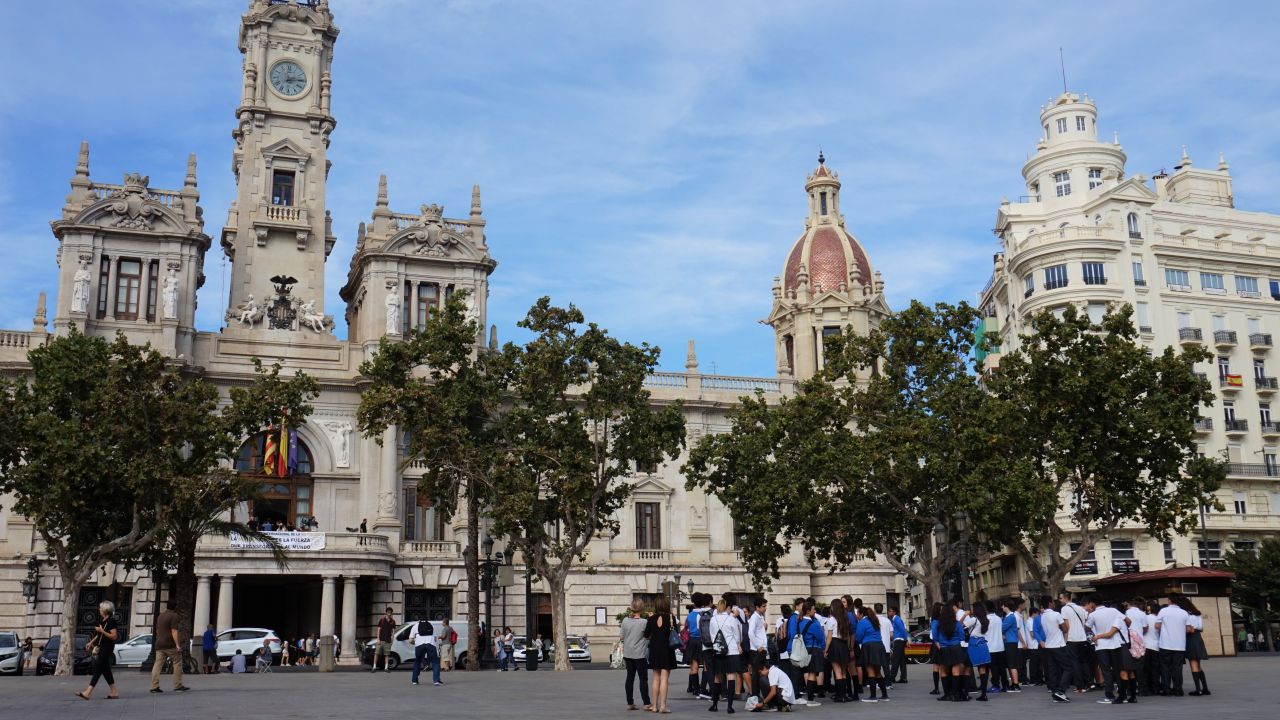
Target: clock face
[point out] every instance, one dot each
(288, 79)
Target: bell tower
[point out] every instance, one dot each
(278, 225)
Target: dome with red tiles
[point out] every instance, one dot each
(826, 251)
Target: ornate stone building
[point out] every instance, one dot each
(1198, 271)
(131, 257)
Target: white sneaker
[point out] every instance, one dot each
(799, 701)
(811, 703)
(1105, 701)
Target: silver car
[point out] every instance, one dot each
(132, 652)
(10, 654)
(249, 641)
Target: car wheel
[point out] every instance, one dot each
(460, 662)
(393, 661)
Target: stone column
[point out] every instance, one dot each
(201, 619)
(226, 594)
(327, 600)
(389, 482)
(348, 633)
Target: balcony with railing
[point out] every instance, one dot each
(1253, 469)
(1270, 428)
(431, 549)
(1204, 425)
(1190, 336)
(1235, 427)
(1230, 382)
(1265, 385)
(303, 545)
(1260, 341)
(1224, 338)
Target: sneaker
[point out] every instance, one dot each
(867, 699)
(703, 696)
(810, 703)
(1014, 689)
(993, 690)
(1132, 700)
(181, 688)
(437, 683)
(799, 701)
(1106, 701)
(156, 690)
(1061, 697)
(413, 682)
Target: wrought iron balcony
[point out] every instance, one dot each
(1260, 341)
(1237, 426)
(1270, 428)
(1253, 469)
(1204, 424)
(1224, 338)
(1190, 335)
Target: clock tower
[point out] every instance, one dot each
(278, 226)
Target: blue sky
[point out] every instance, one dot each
(644, 160)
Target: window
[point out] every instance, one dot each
(1212, 283)
(1255, 326)
(1224, 366)
(1122, 550)
(1080, 122)
(1055, 277)
(1184, 320)
(1046, 132)
(1062, 183)
(104, 285)
(128, 286)
(1275, 502)
(281, 187)
(1229, 412)
(646, 466)
(1144, 317)
(1095, 177)
(1210, 552)
(422, 521)
(1247, 286)
(1097, 311)
(428, 299)
(1177, 279)
(1264, 413)
(1244, 546)
(1259, 368)
(1241, 504)
(406, 317)
(1094, 273)
(153, 277)
(1274, 286)
(1062, 125)
(1132, 222)
(1168, 551)
(282, 499)
(647, 526)
(1138, 278)
(1030, 281)
(1219, 322)
(822, 200)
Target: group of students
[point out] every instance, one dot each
(1123, 649)
(735, 652)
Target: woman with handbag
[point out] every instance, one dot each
(663, 641)
(103, 646)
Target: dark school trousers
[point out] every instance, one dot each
(898, 661)
(1171, 670)
(638, 667)
(1058, 668)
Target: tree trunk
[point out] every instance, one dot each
(471, 556)
(67, 632)
(559, 623)
(184, 591)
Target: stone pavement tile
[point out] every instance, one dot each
(1242, 688)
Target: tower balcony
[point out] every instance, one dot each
(1224, 338)
(1190, 337)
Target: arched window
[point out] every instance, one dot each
(1132, 221)
(285, 501)
(1097, 219)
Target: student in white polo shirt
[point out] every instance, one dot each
(1107, 627)
(1077, 641)
(1172, 625)
(1057, 658)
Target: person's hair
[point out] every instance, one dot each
(722, 606)
(761, 602)
(106, 606)
(445, 622)
(1046, 601)
(765, 664)
(1175, 598)
(389, 610)
(879, 607)
(946, 623)
(1152, 607)
(730, 598)
(798, 602)
(786, 611)
(1065, 594)
(1011, 604)
(809, 606)
(239, 651)
(857, 602)
(662, 605)
(1035, 610)
(811, 601)
(935, 612)
(991, 606)
(894, 609)
(870, 612)
(172, 604)
(980, 614)
(1093, 599)
(637, 606)
(848, 602)
(842, 621)
(1138, 601)
(1187, 605)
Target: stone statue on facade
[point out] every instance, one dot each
(80, 287)
(247, 312)
(393, 313)
(317, 321)
(170, 297)
(340, 433)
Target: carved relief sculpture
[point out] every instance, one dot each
(317, 321)
(132, 208)
(387, 505)
(80, 287)
(340, 435)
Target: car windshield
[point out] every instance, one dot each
(8, 641)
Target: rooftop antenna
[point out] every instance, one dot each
(1063, 64)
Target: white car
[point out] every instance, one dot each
(518, 651)
(132, 652)
(10, 654)
(402, 650)
(579, 649)
(248, 641)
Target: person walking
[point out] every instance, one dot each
(726, 655)
(448, 641)
(423, 638)
(660, 630)
(1108, 629)
(898, 655)
(209, 648)
(635, 654)
(1171, 623)
(167, 647)
(1056, 656)
(1077, 642)
(499, 652)
(386, 629)
(103, 644)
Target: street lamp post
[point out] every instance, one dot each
(31, 585)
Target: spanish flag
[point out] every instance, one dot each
(270, 456)
(283, 465)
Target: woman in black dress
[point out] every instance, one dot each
(103, 642)
(662, 657)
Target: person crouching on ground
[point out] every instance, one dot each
(775, 689)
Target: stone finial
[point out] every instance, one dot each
(691, 359)
(777, 288)
(360, 236)
(475, 201)
(191, 171)
(1185, 161)
(1222, 162)
(1115, 137)
(41, 319)
(879, 283)
(382, 191)
(82, 164)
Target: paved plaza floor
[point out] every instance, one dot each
(1246, 687)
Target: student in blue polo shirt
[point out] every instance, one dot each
(898, 666)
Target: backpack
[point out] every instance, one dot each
(453, 636)
(704, 629)
(799, 653)
(424, 628)
(719, 646)
(1137, 648)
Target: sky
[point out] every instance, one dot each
(642, 160)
